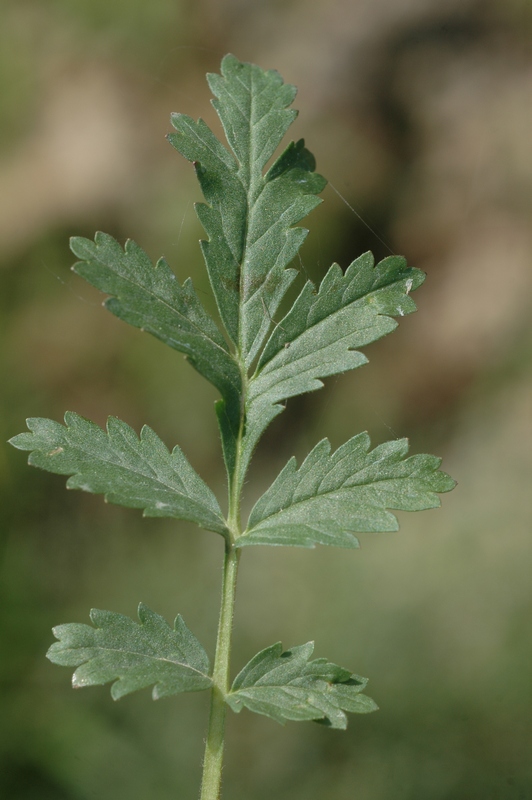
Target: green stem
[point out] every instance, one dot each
(214, 746)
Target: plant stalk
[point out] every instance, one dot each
(214, 745)
(211, 782)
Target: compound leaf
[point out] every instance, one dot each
(335, 494)
(288, 686)
(152, 299)
(132, 655)
(130, 471)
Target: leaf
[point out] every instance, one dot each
(133, 656)
(133, 472)
(320, 335)
(333, 495)
(249, 216)
(287, 686)
(151, 298)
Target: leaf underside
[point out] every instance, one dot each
(253, 202)
(128, 470)
(250, 216)
(333, 495)
(132, 655)
(151, 298)
(288, 686)
(322, 332)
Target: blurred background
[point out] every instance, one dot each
(420, 115)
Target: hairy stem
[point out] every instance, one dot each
(214, 746)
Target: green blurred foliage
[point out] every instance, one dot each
(419, 117)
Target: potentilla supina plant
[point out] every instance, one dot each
(250, 216)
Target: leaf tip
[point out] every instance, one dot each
(50, 653)
(116, 691)
(79, 682)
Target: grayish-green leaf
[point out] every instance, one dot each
(335, 494)
(249, 215)
(152, 299)
(288, 686)
(132, 655)
(133, 472)
(320, 335)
